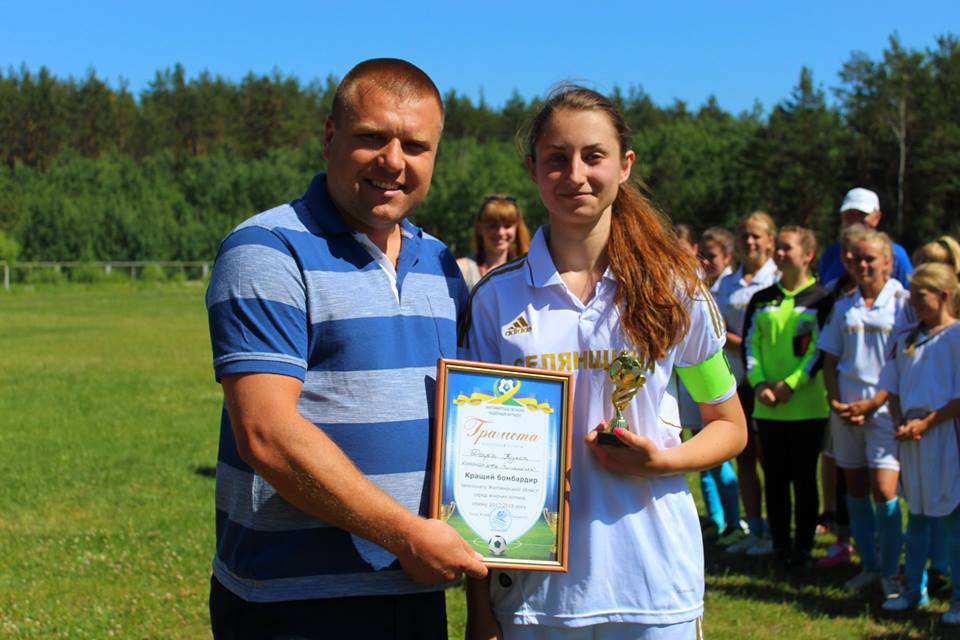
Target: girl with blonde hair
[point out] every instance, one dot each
(923, 380)
(755, 235)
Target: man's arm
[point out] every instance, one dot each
(311, 472)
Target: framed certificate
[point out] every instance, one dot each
(502, 461)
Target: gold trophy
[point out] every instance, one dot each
(552, 518)
(446, 510)
(626, 374)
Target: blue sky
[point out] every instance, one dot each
(741, 52)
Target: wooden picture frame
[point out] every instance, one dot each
(501, 461)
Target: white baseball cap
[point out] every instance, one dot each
(860, 199)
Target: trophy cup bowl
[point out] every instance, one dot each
(626, 374)
(552, 518)
(446, 510)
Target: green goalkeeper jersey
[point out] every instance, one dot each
(780, 343)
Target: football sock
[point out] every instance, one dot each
(862, 529)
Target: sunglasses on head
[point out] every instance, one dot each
(509, 199)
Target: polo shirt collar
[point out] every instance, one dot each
(543, 271)
(325, 214)
(766, 272)
(891, 288)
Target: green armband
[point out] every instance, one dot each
(708, 380)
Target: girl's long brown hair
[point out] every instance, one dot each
(655, 274)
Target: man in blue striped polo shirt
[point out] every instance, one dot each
(327, 316)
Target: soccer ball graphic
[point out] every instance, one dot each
(497, 545)
(504, 386)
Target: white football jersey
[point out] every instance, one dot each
(636, 554)
(924, 379)
(733, 295)
(863, 338)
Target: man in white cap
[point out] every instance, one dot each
(862, 206)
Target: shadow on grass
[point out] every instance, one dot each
(205, 471)
(819, 593)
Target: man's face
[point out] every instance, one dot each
(855, 216)
(380, 156)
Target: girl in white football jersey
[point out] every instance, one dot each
(923, 380)
(607, 275)
(755, 237)
(856, 342)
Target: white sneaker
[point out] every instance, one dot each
(861, 580)
(740, 546)
(764, 547)
(892, 587)
(953, 615)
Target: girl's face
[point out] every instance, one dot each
(871, 265)
(848, 258)
(497, 236)
(714, 259)
(927, 303)
(579, 166)
(790, 255)
(754, 242)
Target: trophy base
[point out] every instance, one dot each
(609, 439)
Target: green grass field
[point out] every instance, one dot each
(108, 433)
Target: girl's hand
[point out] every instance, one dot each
(842, 409)
(639, 458)
(782, 392)
(862, 407)
(847, 412)
(765, 395)
(912, 429)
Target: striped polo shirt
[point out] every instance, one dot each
(293, 292)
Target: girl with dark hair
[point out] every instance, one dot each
(608, 275)
(499, 235)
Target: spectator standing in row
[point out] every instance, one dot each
(781, 328)
(861, 206)
(856, 344)
(499, 235)
(923, 380)
(756, 233)
(835, 516)
(718, 485)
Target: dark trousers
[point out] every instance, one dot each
(418, 616)
(790, 452)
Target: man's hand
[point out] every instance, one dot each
(639, 458)
(765, 394)
(782, 392)
(433, 552)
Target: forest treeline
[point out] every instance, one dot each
(92, 172)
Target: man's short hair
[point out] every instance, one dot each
(397, 77)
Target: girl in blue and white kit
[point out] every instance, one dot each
(607, 275)
(856, 343)
(923, 380)
(755, 236)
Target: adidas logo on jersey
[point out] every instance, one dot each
(518, 326)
